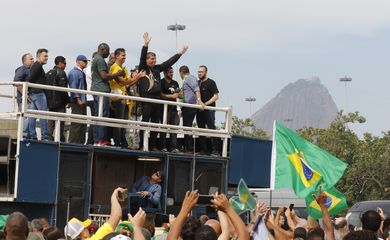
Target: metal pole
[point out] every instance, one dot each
(346, 80)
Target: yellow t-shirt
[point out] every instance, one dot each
(102, 232)
(116, 88)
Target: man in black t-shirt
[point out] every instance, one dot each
(209, 95)
(37, 95)
(170, 91)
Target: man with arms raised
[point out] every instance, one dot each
(150, 86)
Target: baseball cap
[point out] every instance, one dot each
(82, 58)
(125, 224)
(75, 227)
(121, 237)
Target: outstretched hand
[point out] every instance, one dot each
(138, 219)
(220, 202)
(184, 49)
(147, 39)
(190, 200)
(320, 197)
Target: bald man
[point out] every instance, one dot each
(16, 227)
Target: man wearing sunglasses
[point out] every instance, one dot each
(56, 100)
(149, 190)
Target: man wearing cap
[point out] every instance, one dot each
(78, 101)
(75, 228)
(149, 189)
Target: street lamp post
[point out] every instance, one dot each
(176, 27)
(346, 79)
(250, 100)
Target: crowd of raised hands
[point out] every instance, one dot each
(283, 224)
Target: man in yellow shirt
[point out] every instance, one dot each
(118, 86)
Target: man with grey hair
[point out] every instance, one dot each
(21, 74)
(16, 227)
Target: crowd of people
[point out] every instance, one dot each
(113, 77)
(284, 225)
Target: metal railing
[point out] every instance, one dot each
(24, 113)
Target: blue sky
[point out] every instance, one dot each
(252, 48)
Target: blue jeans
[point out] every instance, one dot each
(26, 131)
(38, 102)
(100, 132)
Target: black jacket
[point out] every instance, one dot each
(56, 77)
(150, 86)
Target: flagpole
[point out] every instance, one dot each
(273, 159)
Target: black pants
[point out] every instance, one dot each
(119, 112)
(205, 119)
(172, 119)
(77, 130)
(151, 112)
(51, 124)
(188, 119)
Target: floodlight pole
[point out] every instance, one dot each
(345, 80)
(176, 28)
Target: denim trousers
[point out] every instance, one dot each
(100, 132)
(38, 102)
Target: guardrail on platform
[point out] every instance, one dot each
(24, 113)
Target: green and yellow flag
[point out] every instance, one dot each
(335, 203)
(301, 165)
(244, 201)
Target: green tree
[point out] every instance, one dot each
(246, 127)
(368, 173)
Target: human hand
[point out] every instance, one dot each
(175, 95)
(172, 219)
(261, 209)
(220, 202)
(320, 197)
(380, 212)
(183, 50)
(140, 74)
(202, 106)
(121, 73)
(147, 39)
(117, 191)
(144, 193)
(288, 213)
(138, 219)
(270, 219)
(190, 200)
(80, 103)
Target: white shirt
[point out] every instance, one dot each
(88, 78)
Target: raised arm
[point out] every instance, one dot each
(142, 61)
(116, 210)
(222, 203)
(168, 63)
(328, 226)
(138, 222)
(189, 202)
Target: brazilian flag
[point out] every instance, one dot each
(244, 201)
(335, 203)
(301, 165)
